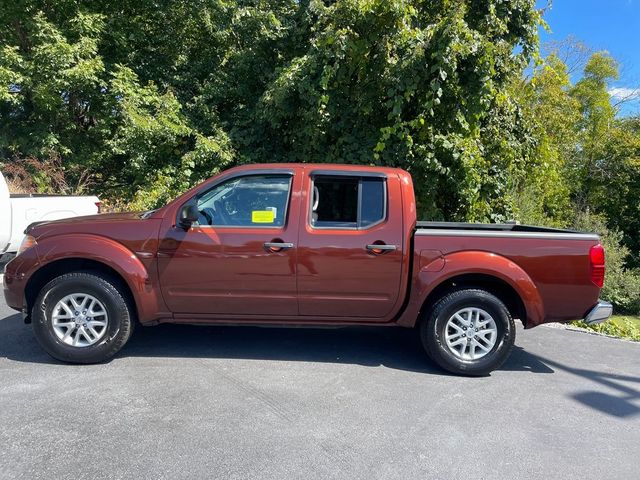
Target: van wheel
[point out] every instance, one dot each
(82, 318)
(468, 332)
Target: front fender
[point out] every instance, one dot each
(110, 253)
(483, 263)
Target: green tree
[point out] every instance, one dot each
(595, 124)
(586, 157)
(605, 171)
(543, 194)
(68, 93)
(615, 184)
(152, 97)
(419, 85)
(585, 171)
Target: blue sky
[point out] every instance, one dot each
(612, 25)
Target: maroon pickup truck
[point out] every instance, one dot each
(302, 244)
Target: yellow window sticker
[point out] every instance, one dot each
(262, 216)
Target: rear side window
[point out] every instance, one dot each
(372, 208)
(347, 202)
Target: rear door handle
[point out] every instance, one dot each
(277, 246)
(375, 248)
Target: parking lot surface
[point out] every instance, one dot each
(240, 403)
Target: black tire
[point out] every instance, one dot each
(432, 332)
(119, 324)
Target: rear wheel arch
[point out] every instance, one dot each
(56, 268)
(481, 281)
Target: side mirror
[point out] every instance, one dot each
(188, 215)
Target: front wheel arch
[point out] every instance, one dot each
(57, 268)
(115, 317)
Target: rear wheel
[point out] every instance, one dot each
(82, 318)
(468, 332)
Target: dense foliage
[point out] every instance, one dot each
(154, 96)
(587, 173)
(139, 100)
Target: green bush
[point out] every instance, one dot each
(621, 285)
(624, 327)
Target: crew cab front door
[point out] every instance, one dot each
(239, 258)
(350, 251)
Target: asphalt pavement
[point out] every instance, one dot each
(185, 402)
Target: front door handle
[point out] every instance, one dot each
(277, 246)
(380, 248)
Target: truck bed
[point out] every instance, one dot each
(556, 261)
(498, 230)
(500, 227)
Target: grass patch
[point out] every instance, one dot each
(624, 326)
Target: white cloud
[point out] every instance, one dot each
(624, 93)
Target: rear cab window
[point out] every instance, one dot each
(347, 201)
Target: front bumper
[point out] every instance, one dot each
(600, 313)
(12, 297)
(15, 281)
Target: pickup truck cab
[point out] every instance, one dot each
(17, 211)
(302, 244)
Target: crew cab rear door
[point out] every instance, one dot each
(350, 249)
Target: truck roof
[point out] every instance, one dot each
(318, 166)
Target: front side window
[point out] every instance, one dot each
(347, 202)
(250, 201)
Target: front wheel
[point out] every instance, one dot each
(82, 318)
(468, 332)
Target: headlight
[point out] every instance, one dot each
(27, 242)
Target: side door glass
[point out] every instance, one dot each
(348, 202)
(250, 201)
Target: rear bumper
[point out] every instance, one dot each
(601, 312)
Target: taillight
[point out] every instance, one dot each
(99, 205)
(596, 260)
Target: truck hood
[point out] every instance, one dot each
(47, 227)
